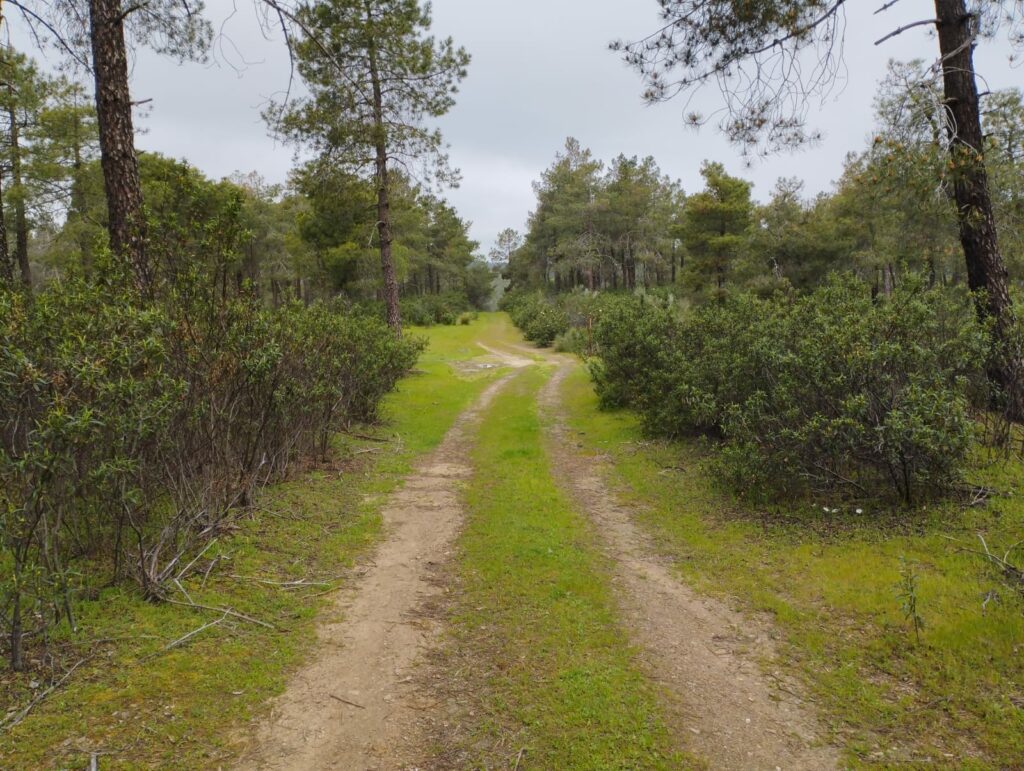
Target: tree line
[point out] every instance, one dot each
(891, 213)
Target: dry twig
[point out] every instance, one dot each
(226, 611)
(9, 723)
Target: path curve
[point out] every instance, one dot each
(355, 705)
(705, 655)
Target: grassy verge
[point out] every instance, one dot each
(836, 584)
(551, 673)
(137, 705)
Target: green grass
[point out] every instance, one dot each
(139, 707)
(830, 582)
(552, 670)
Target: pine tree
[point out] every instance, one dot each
(715, 225)
(375, 77)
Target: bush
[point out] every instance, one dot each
(637, 341)
(541, 319)
(430, 309)
(86, 401)
(573, 340)
(832, 391)
(129, 430)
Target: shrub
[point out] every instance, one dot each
(636, 340)
(548, 321)
(863, 395)
(832, 391)
(129, 430)
(86, 400)
(573, 340)
(541, 319)
(429, 309)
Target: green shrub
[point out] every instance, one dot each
(573, 340)
(86, 401)
(548, 321)
(430, 309)
(862, 395)
(540, 318)
(832, 391)
(130, 429)
(637, 341)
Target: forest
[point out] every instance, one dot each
(302, 475)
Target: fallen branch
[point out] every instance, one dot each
(9, 723)
(1003, 563)
(302, 582)
(184, 570)
(226, 611)
(209, 568)
(519, 758)
(187, 637)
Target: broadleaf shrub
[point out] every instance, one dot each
(130, 429)
(832, 391)
(540, 318)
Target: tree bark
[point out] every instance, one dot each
(6, 266)
(387, 264)
(986, 270)
(126, 222)
(20, 220)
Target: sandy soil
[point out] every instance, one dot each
(355, 705)
(706, 656)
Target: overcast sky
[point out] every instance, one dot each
(541, 72)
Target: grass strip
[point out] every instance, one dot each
(558, 679)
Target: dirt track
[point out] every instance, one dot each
(354, 707)
(360, 704)
(705, 656)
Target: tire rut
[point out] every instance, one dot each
(356, 705)
(706, 657)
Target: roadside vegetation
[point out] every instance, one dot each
(843, 582)
(166, 685)
(814, 403)
(171, 346)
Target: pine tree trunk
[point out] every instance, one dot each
(20, 220)
(6, 265)
(387, 264)
(120, 164)
(986, 270)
